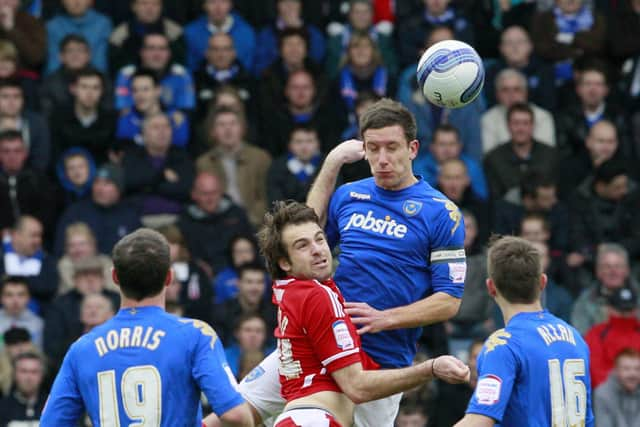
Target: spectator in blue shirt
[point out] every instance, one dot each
(80, 19)
(218, 18)
(175, 80)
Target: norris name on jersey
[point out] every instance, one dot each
(137, 336)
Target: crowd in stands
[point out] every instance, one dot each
(193, 116)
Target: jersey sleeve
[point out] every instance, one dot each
(332, 228)
(497, 371)
(446, 252)
(211, 371)
(331, 331)
(64, 406)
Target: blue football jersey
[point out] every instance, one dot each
(142, 366)
(534, 372)
(396, 247)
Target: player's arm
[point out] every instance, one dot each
(318, 198)
(64, 406)
(475, 420)
(363, 386)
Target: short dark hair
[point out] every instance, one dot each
(532, 181)
(366, 96)
(609, 170)
(388, 112)
(16, 335)
(146, 72)
(30, 355)
(14, 280)
(627, 352)
(293, 32)
(447, 128)
(515, 267)
(141, 261)
(245, 317)
(270, 242)
(72, 38)
(520, 107)
(535, 216)
(10, 135)
(11, 82)
(250, 266)
(302, 127)
(593, 64)
(88, 71)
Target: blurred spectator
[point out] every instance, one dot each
(454, 181)
(23, 190)
(574, 122)
(22, 255)
(291, 174)
(617, 402)
(446, 145)
(360, 21)
(453, 399)
(411, 415)
(94, 311)
(612, 272)
(14, 297)
(175, 80)
(192, 286)
(511, 89)
(624, 31)
(303, 105)
(108, 216)
(475, 317)
(242, 249)
(604, 209)
(79, 18)
(555, 298)
(55, 90)
(158, 174)
(26, 401)
(361, 70)
(241, 166)
(221, 68)
(76, 171)
(516, 53)
(79, 245)
(127, 38)
(429, 116)
(10, 68)
(250, 300)
(413, 33)
(85, 123)
(289, 15)
(16, 340)
(572, 29)
(360, 169)
(250, 335)
(146, 91)
(25, 31)
(621, 330)
(210, 222)
(506, 164)
(34, 128)
(63, 323)
(601, 145)
(219, 18)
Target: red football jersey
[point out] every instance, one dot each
(315, 336)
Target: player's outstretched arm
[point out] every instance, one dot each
(318, 198)
(240, 416)
(475, 420)
(363, 386)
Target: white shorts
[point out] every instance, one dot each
(261, 388)
(306, 417)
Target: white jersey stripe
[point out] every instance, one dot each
(340, 355)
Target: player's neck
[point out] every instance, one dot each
(510, 310)
(154, 301)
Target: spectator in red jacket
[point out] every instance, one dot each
(620, 331)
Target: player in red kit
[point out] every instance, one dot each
(323, 371)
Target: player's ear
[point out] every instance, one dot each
(543, 281)
(414, 146)
(491, 288)
(114, 276)
(169, 278)
(284, 265)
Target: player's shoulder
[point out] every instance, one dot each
(196, 329)
(499, 340)
(356, 190)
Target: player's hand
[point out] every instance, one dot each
(451, 370)
(347, 152)
(371, 320)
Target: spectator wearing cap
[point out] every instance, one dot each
(612, 273)
(604, 209)
(106, 213)
(617, 401)
(63, 323)
(22, 255)
(621, 330)
(14, 297)
(28, 397)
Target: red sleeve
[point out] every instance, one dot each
(336, 342)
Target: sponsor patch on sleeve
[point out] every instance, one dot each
(342, 335)
(457, 272)
(488, 390)
(441, 256)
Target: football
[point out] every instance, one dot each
(450, 74)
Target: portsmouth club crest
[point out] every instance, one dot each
(411, 207)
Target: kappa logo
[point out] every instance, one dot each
(359, 196)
